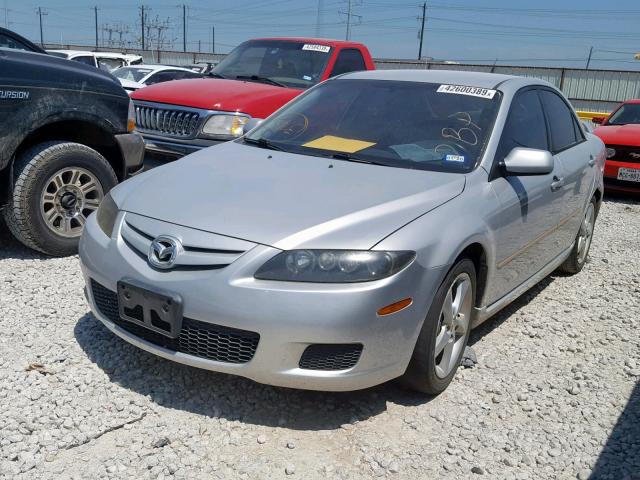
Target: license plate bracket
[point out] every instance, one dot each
(156, 310)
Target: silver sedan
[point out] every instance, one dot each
(355, 236)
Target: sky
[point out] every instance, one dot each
(506, 32)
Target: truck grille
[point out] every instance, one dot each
(167, 121)
(624, 153)
(200, 339)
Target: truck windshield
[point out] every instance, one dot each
(400, 124)
(627, 113)
(292, 64)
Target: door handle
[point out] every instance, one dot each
(592, 161)
(557, 183)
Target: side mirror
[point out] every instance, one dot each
(528, 161)
(251, 124)
(598, 120)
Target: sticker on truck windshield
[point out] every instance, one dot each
(464, 90)
(316, 48)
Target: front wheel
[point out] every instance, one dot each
(580, 251)
(57, 185)
(445, 332)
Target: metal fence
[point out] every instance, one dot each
(591, 90)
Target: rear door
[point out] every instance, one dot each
(530, 210)
(573, 152)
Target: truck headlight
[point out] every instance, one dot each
(333, 266)
(225, 126)
(106, 215)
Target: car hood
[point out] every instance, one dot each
(256, 99)
(286, 200)
(619, 134)
(130, 85)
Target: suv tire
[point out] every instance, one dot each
(62, 181)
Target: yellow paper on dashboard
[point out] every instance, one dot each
(339, 144)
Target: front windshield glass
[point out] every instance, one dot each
(292, 64)
(401, 124)
(132, 73)
(627, 113)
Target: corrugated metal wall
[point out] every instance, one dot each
(593, 90)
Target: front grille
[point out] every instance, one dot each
(331, 356)
(167, 121)
(200, 339)
(623, 153)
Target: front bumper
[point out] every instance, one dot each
(289, 317)
(175, 148)
(131, 147)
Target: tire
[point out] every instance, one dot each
(39, 189)
(425, 373)
(580, 251)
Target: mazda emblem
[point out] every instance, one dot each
(163, 252)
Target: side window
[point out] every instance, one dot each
(349, 60)
(87, 60)
(165, 76)
(525, 126)
(109, 64)
(561, 121)
(12, 44)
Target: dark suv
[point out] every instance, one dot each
(66, 138)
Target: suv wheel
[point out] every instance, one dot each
(445, 332)
(57, 185)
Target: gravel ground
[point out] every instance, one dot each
(555, 393)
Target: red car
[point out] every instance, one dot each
(620, 132)
(254, 80)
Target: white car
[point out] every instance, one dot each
(133, 78)
(108, 61)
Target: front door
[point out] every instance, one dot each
(531, 205)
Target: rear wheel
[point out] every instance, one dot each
(580, 252)
(57, 185)
(445, 332)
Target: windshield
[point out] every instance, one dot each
(293, 64)
(131, 73)
(627, 113)
(401, 124)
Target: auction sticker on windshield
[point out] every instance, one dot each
(316, 48)
(464, 90)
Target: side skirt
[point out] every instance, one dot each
(482, 314)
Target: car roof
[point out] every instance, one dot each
(157, 67)
(320, 41)
(100, 54)
(449, 77)
(633, 100)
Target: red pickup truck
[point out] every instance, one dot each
(254, 80)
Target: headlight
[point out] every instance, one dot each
(333, 266)
(131, 117)
(225, 126)
(611, 152)
(106, 215)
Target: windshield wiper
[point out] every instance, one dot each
(217, 75)
(263, 143)
(257, 78)
(352, 158)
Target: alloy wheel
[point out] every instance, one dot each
(68, 198)
(586, 233)
(454, 323)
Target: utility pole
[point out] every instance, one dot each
(40, 13)
(589, 57)
(349, 13)
(213, 39)
(184, 27)
(6, 15)
(348, 22)
(424, 16)
(319, 18)
(95, 10)
(142, 23)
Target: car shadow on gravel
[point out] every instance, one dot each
(213, 394)
(620, 457)
(11, 248)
